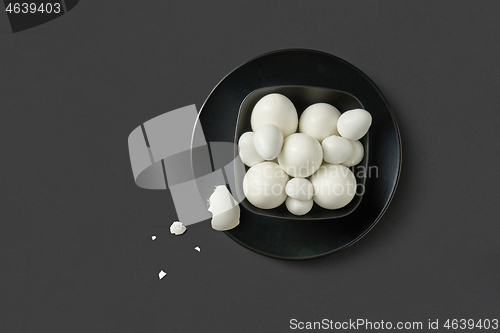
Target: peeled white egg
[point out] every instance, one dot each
(334, 186)
(275, 109)
(268, 141)
(298, 207)
(357, 154)
(264, 185)
(354, 124)
(248, 154)
(299, 188)
(225, 210)
(319, 121)
(301, 155)
(336, 149)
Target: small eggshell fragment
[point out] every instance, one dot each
(334, 186)
(301, 155)
(298, 207)
(268, 141)
(319, 121)
(354, 124)
(248, 154)
(275, 109)
(177, 228)
(336, 149)
(225, 210)
(264, 185)
(299, 188)
(357, 154)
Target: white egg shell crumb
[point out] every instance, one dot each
(225, 210)
(354, 124)
(264, 185)
(275, 109)
(248, 154)
(319, 121)
(301, 155)
(268, 141)
(334, 186)
(298, 207)
(299, 188)
(357, 154)
(336, 149)
(177, 228)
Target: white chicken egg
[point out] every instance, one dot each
(357, 154)
(354, 124)
(336, 149)
(298, 207)
(264, 185)
(319, 121)
(248, 154)
(301, 155)
(334, 186)
(299, 188)
(268, 141)
(275, 109)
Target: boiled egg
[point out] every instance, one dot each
(336, 149)
(357, 154)
(301, 155)
(248, 154)
(275, 109)
(319, 121)
(354, 124)
(268, 141)
(298, 207)
(299, 188)
(334, 186)
(264, 185)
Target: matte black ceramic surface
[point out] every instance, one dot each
(302, 97)
(286, 238)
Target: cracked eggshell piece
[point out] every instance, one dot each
(248, 154)
(357, 154)
(225, 210)
(177, 228)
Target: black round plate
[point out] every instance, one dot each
(304, 239)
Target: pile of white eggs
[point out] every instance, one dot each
(302, 167)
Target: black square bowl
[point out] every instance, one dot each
(302, 97)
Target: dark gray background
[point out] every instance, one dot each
(75, 247)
